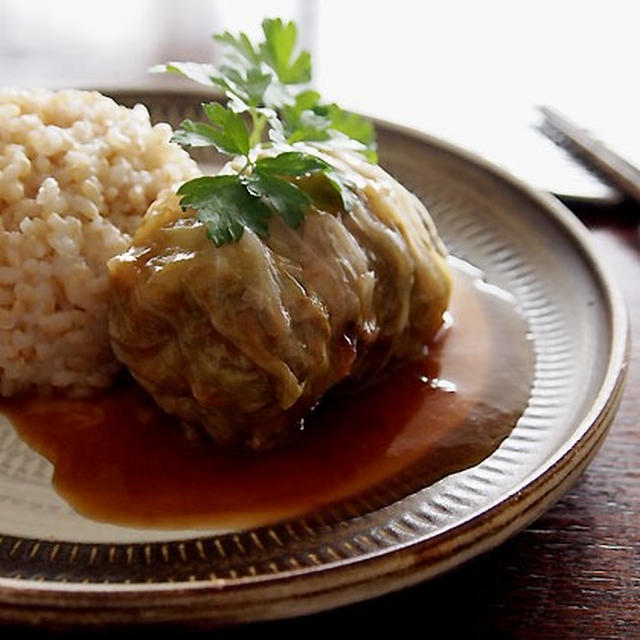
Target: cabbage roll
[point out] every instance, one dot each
(244, 339)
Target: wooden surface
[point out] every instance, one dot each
(574, 573)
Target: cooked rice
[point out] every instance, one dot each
(77, 172)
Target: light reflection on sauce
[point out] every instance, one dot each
(118, 459)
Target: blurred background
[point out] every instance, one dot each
(470, 72)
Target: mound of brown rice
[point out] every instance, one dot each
(77, 172)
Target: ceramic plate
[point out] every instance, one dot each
(58, 567)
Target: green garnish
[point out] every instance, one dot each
(269, 102)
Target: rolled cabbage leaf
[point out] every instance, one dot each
(244, 339)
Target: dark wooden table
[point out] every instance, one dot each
(574, 573)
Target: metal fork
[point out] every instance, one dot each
(607, 164)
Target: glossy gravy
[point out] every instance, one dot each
(119, 459)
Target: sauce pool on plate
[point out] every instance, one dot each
(117, 458)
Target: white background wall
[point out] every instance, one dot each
(471, 72)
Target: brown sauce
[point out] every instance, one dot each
(119, 459)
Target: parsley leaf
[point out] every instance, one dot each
(292, 163)
(301, 122)
(249, 85)
(352, 125)
(225, 207)
(227, 132)
(283, 197)
(308, 119)
(277, 49)
(205, 74)
(287, 199)
(234, 134)
(268, 102)
(345, 189)
(245, 54)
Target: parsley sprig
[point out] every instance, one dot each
(269, 103)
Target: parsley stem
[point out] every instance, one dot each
(258, 121)
(247, 164)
